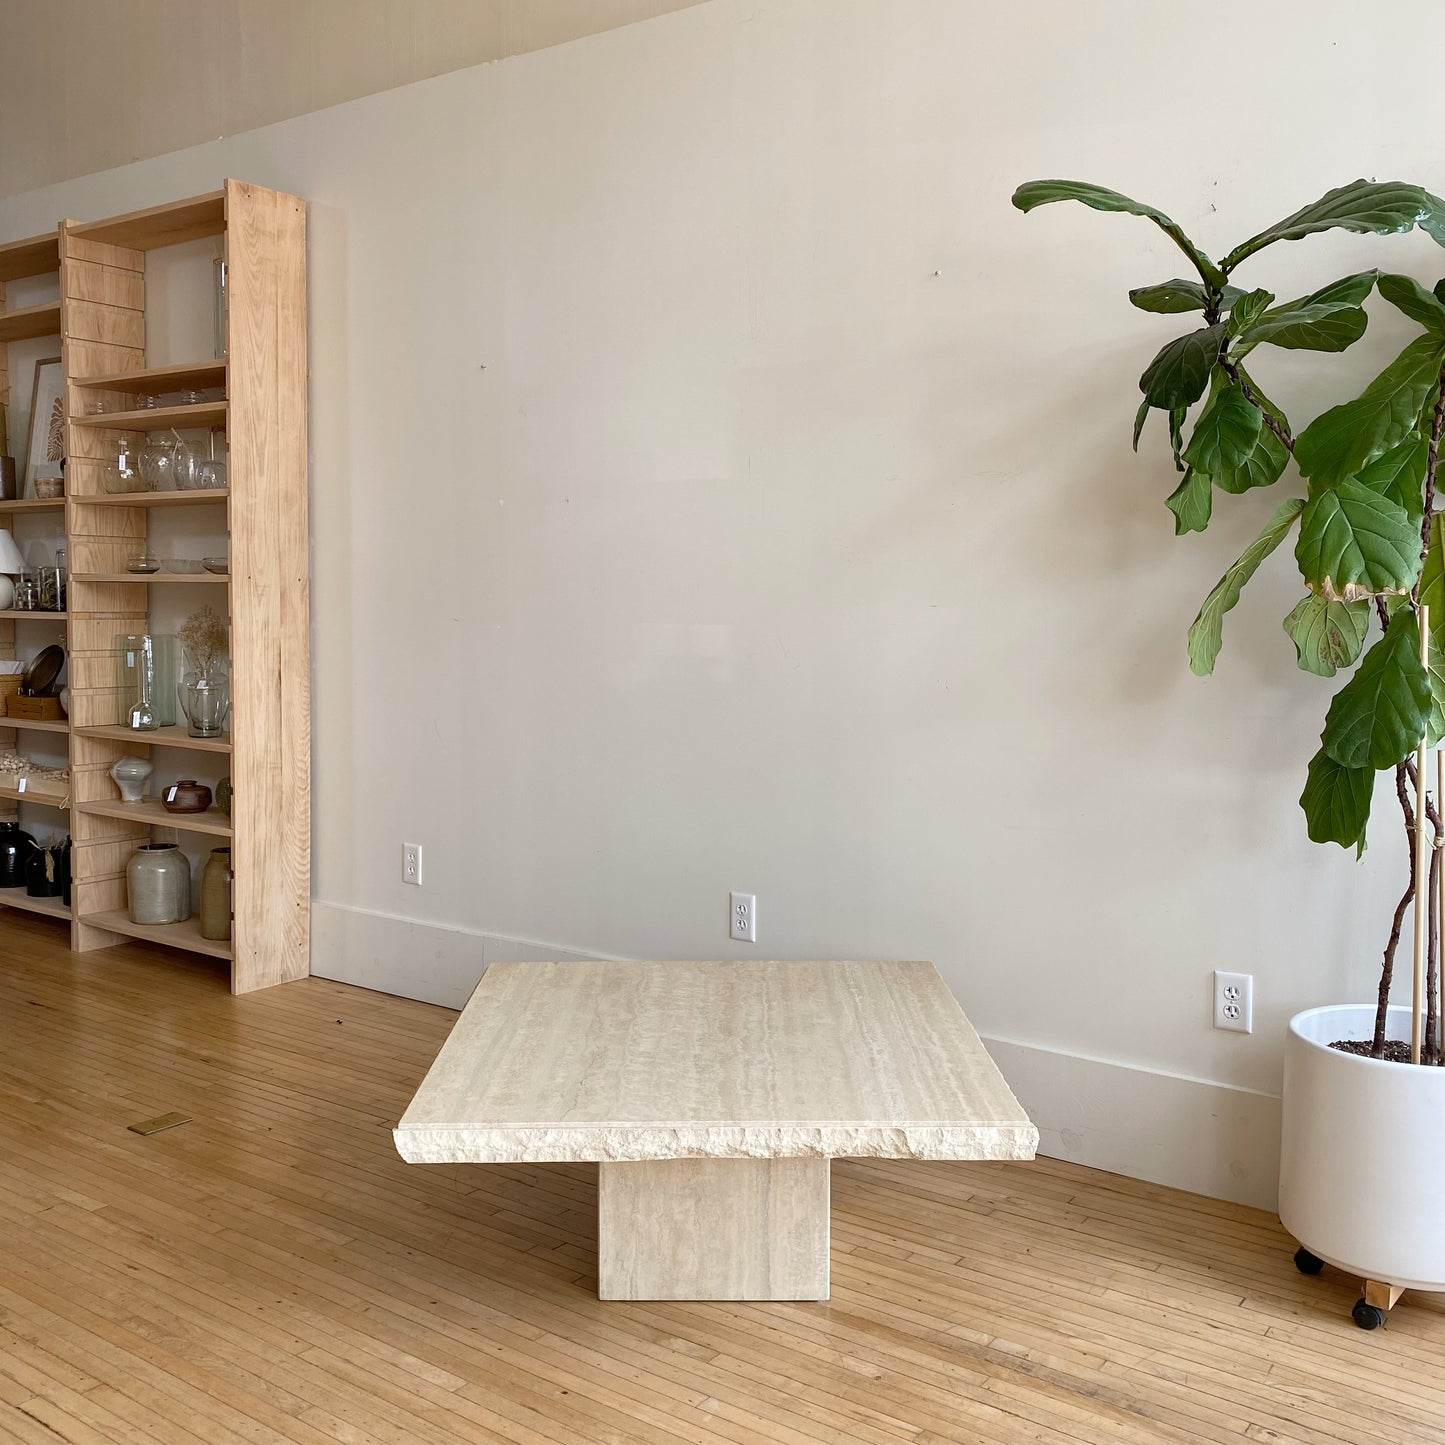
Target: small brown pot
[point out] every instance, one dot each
(186, 796)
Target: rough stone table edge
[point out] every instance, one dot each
(561, 1143)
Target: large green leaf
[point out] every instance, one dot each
(1040, 193)
(1354, 543)
(1140, 417)
(1248, 309)
(1337, 443)
(1327, 635)
(1400, 475)
(1409, 296)
(1379, 716)
(1206, 632)
(1329, 319)
(1268, 457)
(1191, 502)
(1179, 373)
(1336, 802)
(1170, 298)
(1432, 578)
(1371, 206)
(1347, 291)
(1225, 433)
(1435, 726)
(1317, 326)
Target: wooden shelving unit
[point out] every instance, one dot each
(153, 813)
(158, 418)
(18, 898)
(261, 527)
(157, 499)
(25, 323)
(175, 935)
(33, 257)
(168, 737)
(33, 504)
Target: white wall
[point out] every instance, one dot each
(718, 485)
(97, 83)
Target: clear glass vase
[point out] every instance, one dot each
(205, 699)
(147, 680)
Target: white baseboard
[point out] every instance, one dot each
(1195, 1134)
(426, 961)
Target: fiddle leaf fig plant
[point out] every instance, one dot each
(1367, 538)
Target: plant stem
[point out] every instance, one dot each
(1387, 972)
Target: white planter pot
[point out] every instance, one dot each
(1362, 1164)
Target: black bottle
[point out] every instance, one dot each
(15, 850)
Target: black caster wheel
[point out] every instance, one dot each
(1368, 1317)
(1306, 1262)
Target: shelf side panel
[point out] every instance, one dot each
(270, 636)
(102, 300)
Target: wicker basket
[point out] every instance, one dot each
(9, 686)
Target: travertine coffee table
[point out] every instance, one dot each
(712, 1095)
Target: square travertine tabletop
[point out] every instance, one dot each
(759, 1072)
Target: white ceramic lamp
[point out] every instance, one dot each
(12, 564)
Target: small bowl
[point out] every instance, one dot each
(49, 488)
(143, 563)
(180, 564)
(221, 566)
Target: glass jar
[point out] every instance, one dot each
(147, 680)
(205, 697)
(158, 462)
(158, 884)
(123, 473)
(216, 895)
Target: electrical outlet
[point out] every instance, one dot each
(744, 925)
(411, 863)
(1234, 1001)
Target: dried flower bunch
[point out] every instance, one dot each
(203, 636)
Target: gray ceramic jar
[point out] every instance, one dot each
(158, 884)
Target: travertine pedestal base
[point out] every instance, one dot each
(699, 1229)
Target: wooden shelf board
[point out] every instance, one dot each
(34, 615)
(155, 226)
(32, 795)
(171, 737)
(152, 813)
(25, 323)
(185, 935)
(34, 504)
(33, 256)
(19, 898)
(158, 418)
(157, 380)
(33, 725)
(149, 577)
(156, 499)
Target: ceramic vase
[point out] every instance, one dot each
(42, 873)
(216, 895)
(1362, 1158)
(15, 849)
(131, 775)
(158, 884)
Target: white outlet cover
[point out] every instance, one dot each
(1234, 1001)
(743, 917)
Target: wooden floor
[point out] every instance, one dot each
(273, 1272)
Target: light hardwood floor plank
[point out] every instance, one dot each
(272, 1272)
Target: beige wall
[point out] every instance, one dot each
(90, 84)
(718, 485)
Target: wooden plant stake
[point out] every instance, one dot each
(1422, 863)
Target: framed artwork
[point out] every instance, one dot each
(45, 439)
